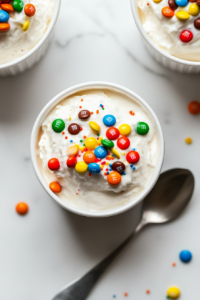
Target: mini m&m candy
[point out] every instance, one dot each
(4, 16)
(71, 162)
(81, 167)
(72, 150)
(89, 157)
(115, 152)
(55, 187)
(29, 10)
(123, 143)
(186, 36)
(185, 256)
(22, 208)
(91, 143)
(54, 164)
(94, 168)
(18, 5)
(100, 152)
(109, 120)
(197, 23)
(107, 143)
(125, 129)
(58, 125)
(84, 114)
(95, 127)
(133, 157)
(173, 292)
(114, 178)
(142, 128)
(182, 15)
(112, 133)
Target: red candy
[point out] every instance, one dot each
(186, 36)
(71, 162)
(123, 142)
(53, 164)
(133, 157)
(112, 133)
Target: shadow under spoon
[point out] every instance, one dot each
(165, 202)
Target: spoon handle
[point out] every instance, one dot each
(79, 289)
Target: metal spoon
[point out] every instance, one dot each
(166, 201)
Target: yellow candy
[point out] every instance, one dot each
(182, 15)
(91, 143)
(70, 117)
(125, 129)
(188, 140)
(26, 26)
(157, 1)
(73, 150)
(81, 167)
(95, 127)
(173, 292)
(194, 9)
(100, 139)
(107, 163)
(115, 152)
(123, 153)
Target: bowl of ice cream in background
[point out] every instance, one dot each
(25, 30)
(171, 31)
(97, 149)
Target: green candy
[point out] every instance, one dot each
(58, 125)
(107, 143)
(142, 128)
(18, 5)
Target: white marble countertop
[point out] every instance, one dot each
(43, 251)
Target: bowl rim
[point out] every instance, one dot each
(80, 88)
(50, 28)
(136, 17)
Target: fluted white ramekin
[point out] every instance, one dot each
(34, 55)
(159, 54)
(74, 90)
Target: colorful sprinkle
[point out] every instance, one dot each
(174, 264)
(188, 140)
(147, 291)
(125, 294)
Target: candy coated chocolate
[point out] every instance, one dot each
(198, 2)
(119, 167)
(173, 4)
(74, 129)
(197, 23)
(84, 114)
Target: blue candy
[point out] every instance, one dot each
(4, 16)
(181, 3)
(109, 120)
(185, 256)
(100, 152)
(94, 168)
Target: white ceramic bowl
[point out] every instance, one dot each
(159, 54)
(80, 88)
(33, 56)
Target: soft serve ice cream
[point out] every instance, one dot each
(174, 25)
(98, 150)
(22, 25)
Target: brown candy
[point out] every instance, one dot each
(197, 23)
(192, 1)
(198, 2)
(74, 129)
(84, 114)
(119, 167)
(172, 4)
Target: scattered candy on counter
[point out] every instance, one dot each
(125, 294)
(174, 264)
(109, 120)
(147, 291)
(185, 256)
(173, 292)
(55, 187)
(188, 140)
(194, 107)
(22, 208)
(18, 6)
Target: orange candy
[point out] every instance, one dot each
(167, 12)
(22, 208)
(29, 10)
(4, 27)
(194, 107)
(114, 178)
(89, 157)
(7, 7)
(55, 187)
